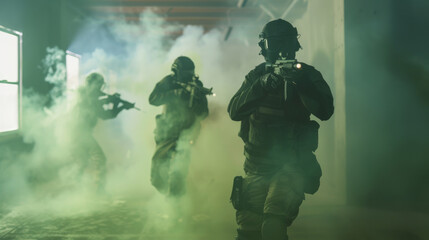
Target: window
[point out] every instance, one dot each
(10, 80)
(72, 67)
(72, 64)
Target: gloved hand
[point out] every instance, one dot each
(292, 75)
(114, 98)
(178, 92)
(181, 93)
(271, 81)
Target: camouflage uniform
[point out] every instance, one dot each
(176, 130)
(85, 148)
(279, 142)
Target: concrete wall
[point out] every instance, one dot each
(322, 39)
(44, 23)
(387, 103)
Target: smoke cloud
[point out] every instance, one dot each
(133, 57)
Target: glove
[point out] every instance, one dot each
(179, 92)
(114, 98)
(271, 81)
(291, 75)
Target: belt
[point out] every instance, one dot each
(271, 111)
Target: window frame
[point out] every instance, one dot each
(18, 83)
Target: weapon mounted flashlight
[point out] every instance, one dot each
(283, 64)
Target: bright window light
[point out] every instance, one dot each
(9, 80)
(9, 113)
(8, 57)
(72, 63)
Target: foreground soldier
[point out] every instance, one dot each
(274, 105)
(185, 105)
(90, 108)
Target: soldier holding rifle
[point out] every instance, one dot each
(274, 105)
(185, 104)
(90, 107)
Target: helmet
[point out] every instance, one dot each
(95, 80)
(183, 68)
(278, 28)
(278, 36)
(183, 64)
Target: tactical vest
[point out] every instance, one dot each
(273, 139)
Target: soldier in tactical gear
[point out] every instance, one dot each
(90, 108)
(274, 105)
(185, 104)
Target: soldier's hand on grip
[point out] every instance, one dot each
(271, 81)
(114, 98)
(181, 93)
(178, 92)
(291, 75)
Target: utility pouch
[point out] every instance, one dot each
(160, 131)
(237, 193)
(308, 136)
(165, 129)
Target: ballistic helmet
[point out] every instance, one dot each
(95, 80)
(279, 36)
(183, 64)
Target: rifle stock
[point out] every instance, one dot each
(116, 98)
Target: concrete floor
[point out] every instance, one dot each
(119, 219)
(346, 223)
(113, 219)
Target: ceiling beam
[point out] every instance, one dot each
(118, 9)
(157, 8)
(190, 21)
(162, 3)
(172, 14)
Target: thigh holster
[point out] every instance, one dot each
(236, 198)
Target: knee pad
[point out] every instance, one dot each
(249, 221)
(274, 227)
(177, 184)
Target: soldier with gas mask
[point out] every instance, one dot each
(91, 106)
(185, 104)
(274, 105)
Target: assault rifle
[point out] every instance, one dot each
(192, 86)
(283, 65)
(116, 99)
